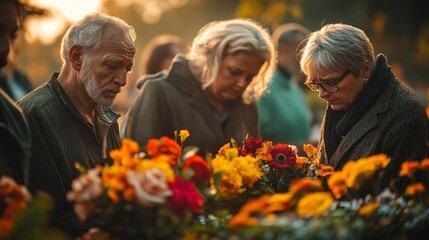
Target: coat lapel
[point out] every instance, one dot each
(368, 122)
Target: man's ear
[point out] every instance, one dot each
(75, 56)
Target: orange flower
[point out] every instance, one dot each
(305, 185)
(279, 202)
(337, 184)
(310, 150)
(223, 149)
(246, 215)
(200, 168)
(301, 162)
(264, 152)
(414, 189)
(313, 204)
(164, 145)
(408, 168)
(324, 170)
(424, 164)
(369, 209)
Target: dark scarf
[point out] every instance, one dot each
(339, 123)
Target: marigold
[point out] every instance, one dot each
(301, 162)
(313, 204)
(310, 150)
(360, 172)
(164, 146)
(414, 189)
(324, 170)
(279, 202)
(409, 168)
(369, 209)
(246, 215)
(337, 184)
(305, 185)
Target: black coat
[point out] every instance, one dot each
(15, 143)
(395, 125)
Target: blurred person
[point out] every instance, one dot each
(157, 56)
(69, 116)
(369, 111)
(284, 114)
(211, 92)
(14, 82)
(160, 51)
(15, 145)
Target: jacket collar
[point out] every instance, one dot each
(109, 116)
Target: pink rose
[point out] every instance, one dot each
(150, 186)
(85, 188)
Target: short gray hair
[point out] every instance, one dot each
(88, 32)
(336, 47)
(217, 40)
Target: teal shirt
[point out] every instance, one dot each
(284, 115)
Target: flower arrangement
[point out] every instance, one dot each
(313, 210)
(148, 195)
(281, 161)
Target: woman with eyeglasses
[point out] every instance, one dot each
(369, 111)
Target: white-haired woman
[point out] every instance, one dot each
(211, 92)
(369, 110)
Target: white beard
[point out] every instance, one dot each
(94, 92)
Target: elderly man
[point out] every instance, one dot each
(14, 132)
(69, 117)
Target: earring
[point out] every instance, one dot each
(365, 81)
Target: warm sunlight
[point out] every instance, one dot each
(47, 29)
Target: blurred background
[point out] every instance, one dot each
(399, 29)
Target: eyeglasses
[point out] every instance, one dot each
(329, 86)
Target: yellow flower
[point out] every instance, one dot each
(163, 166)
(248, 168)
(369, 209)
(313, 204)
(337, 184)
(360, 172)
(184, 134)
(414, 189)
